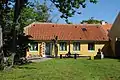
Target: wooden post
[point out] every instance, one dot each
(60, 56)
(75, 56)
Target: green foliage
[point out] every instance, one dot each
(4, 23)
(92, 21)
(22, 46)
(33, 12)
(37, 12)
(29, 14)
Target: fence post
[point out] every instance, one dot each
(60, 56)
(75, 56)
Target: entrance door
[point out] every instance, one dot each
(47, 50)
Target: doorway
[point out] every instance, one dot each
(48, 49)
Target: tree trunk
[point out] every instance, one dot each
(56, 51)
(1, 51)
(55, 46)
(14, 45)
(16, 17)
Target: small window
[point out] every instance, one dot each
(84, 29)
(33, 47)
(91, 46)
(63, 46)
(76, 46)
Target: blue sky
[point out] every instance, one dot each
(104, 10)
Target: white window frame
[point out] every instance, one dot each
(63, 46)
(76, 46)
(33, 46)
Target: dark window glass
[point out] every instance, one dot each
(91, 46)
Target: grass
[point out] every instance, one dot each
(66, 69)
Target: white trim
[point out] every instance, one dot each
(91, 50)
(44, 55)
(32, 51)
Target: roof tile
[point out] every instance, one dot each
(47, 31)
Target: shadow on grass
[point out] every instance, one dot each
(27, 68)
(116, 58)
(24, 67)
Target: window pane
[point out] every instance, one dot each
(63, 46)
(34, 47)
(60, 47)
(76, 46)
(91, 46)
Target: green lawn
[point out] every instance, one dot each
(66, 69)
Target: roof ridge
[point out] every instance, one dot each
(98, 25)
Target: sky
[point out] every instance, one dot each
(106, 10)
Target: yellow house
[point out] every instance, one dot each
(82, 39)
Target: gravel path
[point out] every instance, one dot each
(38, 59)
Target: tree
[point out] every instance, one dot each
(13, 23)
(67, 7)
(5, 21)
(92, 21)
(34, 12)
(4, 9)
(29, 14)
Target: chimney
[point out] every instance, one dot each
(103, 22)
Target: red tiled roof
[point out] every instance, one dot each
(47, 31)
(107, 27)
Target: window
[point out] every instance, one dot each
(63, 46)
(33, 47)
(84, 29)
(91, 46)
(76, 46)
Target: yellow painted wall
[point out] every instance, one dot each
(83, 50)
(86, 52)
(32, 53)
